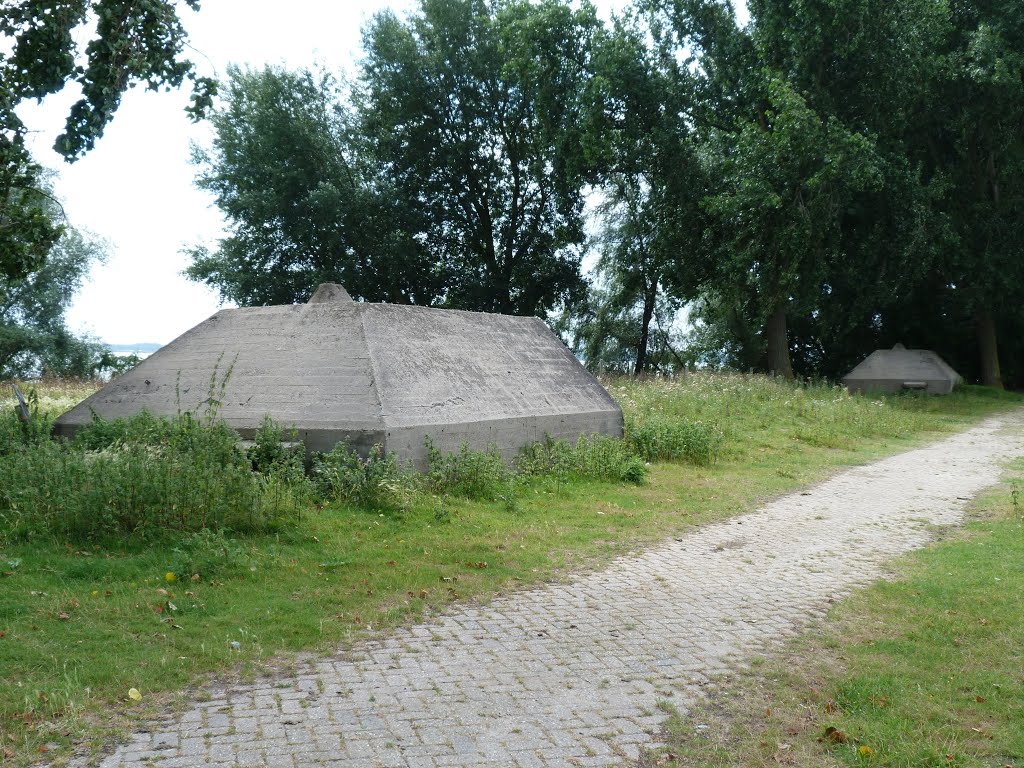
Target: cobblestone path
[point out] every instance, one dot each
(571, 675)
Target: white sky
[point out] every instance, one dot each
(134, 189)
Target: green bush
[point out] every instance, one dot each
(375, 483)
(142, 476)
(482, 476)
(274, 450)
(16, 434)
(594, 457)
(142, 429)
(660, 438)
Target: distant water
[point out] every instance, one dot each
(142, 351)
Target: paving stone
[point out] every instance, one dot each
(571, 674)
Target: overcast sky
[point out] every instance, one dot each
(135, 188)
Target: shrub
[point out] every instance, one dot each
(16, 433)
(482, 476)
(659, 438)
(141, 429)
(594, 457)
(142, 475)
(374, 483)
(270, 453)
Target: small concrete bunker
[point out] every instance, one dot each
(899, 368)
(336, 370)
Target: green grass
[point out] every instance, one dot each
(84, 623)
(927, 670)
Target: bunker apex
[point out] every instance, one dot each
(337, 370)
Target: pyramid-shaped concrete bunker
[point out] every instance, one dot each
(364, 374)
(899, 368)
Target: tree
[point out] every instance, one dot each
(979, 146)
(27, 232)
(305, 199)
(450, 175)
(103, 46)
(652, 182)
(474, 109)
(787, 177)
(805, 116)
(34, 337)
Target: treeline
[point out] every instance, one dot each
(820, 181)
(824, 180)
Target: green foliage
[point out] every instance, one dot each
(452, 173)
(593, 457)
(275, 449)
(17, 432)
(103, 46)
(142, 476)
(650, 249)
(658, 438)
(864, 177)
(106, 46)
(34, 337)
(475, 107)
(27, 229)
(477, 475)
(375, 483)
(624, 325)
(305, 198)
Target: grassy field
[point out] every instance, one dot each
(927, 670)
(83, 622)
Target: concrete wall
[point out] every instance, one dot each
(866, 386)
(450, 367)
(509, 435)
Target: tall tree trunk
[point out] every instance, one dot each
(778, 344)
(645, 332)
(988, 350)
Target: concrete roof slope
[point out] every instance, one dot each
(367, 374)
(890, 370)
(448, 366)
(305, 365)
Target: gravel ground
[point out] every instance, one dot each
(571, 674)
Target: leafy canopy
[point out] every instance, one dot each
(450, 174)
(104, 47)
(304, 199)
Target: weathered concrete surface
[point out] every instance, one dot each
(892, 370)
(305, 365)
(571, 674)
(479, 379)
(369, 373)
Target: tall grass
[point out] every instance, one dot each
(149, 474)
(143, 476)
(593, 457)
(707, 416)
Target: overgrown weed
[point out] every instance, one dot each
(143, 476)
(591, 457)
(375, 483)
